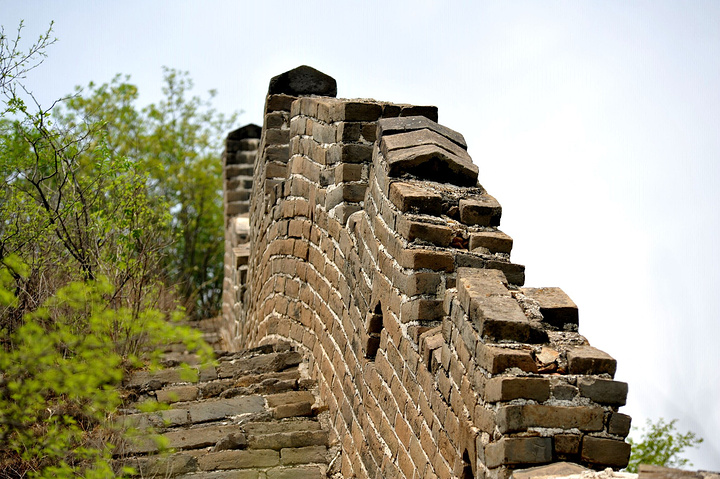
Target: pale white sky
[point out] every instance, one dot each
(595, 124)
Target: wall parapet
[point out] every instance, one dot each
(371, 245)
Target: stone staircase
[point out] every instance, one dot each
(252, 415)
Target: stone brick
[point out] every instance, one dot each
(221, 408)
(408, 197)
(556, 307)
(496, 360)
(522, 417)
(303, 80)
(279, 102)
(238, 459)
(561, 469)
(508, 389)
(421, 137)
(522, 450)
(390, 126)
(426, 258)
(357, 111)
(619, 424)
(603, 390)
(176, 394)
(480, 210)
(304, 472)
(430, 162)
(605, 452)
(495, 241)
(303, 455)
(567, 444)
(589, 360)
(432, 233)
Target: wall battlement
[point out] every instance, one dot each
(358, 231)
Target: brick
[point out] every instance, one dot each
(357, 111)
(525, 450)
(522, 417)
(556, 307)
(279, 102)
(589, 360)
(421, 137)
(480, 210)
(281, 440)
(303, 80)
(495, 241)
(496, 360)
(619, 424)
(439, 235)
(567, 443)
(306, 472)
(356, 153)
(235, 459)
(430, 162)
(390, 126)
(176, 394)
(303, 455)
(603, 390)
(408, 197)
(605, 452)
(508, 389)
(426, 258)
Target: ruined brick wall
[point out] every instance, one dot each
(373, 247)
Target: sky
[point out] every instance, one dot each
(595, 124)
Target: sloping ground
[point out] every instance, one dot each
(254, 414)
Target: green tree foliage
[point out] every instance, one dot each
(660, 444)
(177, 142)
(84, 233)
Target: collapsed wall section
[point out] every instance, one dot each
(374, 248)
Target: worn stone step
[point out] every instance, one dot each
(190, 438)
(153, 380)
(272, 362)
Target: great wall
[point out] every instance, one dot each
(358, 234)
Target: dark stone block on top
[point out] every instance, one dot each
(248, 131)
(303, 80)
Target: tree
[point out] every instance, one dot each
(83, 297)
(661, 445)
(178, 143)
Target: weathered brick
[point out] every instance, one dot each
(391, 126)
(556, 307)
(426, 258)
(496, 360)
(430, 162)
(507, 389)
(357, 111)
(522, 417)
(480, 210)
(606, 452)
(589, 360)
(619, 424)
(303, 455)
(567, 443)
(495, 241)
(603, 390)
(235, 459)
(524, 450)
(408, 197)
(439, 235)
(176, 394)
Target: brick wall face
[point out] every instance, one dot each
(372, 246)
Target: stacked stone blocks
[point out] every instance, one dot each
(373, 248)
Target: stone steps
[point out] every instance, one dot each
(252, 414)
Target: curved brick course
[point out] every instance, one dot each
(371, 246)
